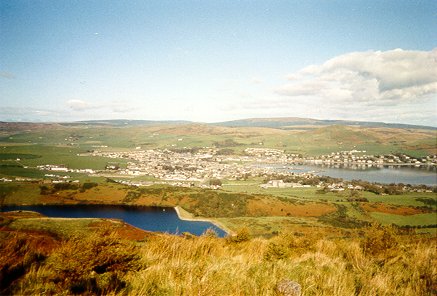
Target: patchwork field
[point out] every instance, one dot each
(260, 210)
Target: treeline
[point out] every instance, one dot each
(227, 143)
(377, 188)
(304, 180)
(415, 226)
(50, 189)
(391, 188)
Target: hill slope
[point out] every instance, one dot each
(285, 122)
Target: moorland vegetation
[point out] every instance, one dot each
(375, 260)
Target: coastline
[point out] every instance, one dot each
(187, 216)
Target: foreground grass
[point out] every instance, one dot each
(101, 262)
(215, 267)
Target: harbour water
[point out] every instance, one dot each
(426, 175)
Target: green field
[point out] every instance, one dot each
(59, 226)
(59, 156)
(412, 220)
(252, 187)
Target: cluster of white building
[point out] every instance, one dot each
(282, 184)
(64, 169)
(355, 157)
(186, 166)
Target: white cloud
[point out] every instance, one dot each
(110, 107)
(79, 105)
(389, 86)
(25, 114)
(372, 78)
(7, 75)
(257, 80)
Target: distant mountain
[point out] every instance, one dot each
(290, 122)
(25, 126)
(127, 122)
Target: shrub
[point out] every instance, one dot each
(215, 182)
(89, 185)
(276, 251)
(379, 240)
(19, 253)
(63, 186)
(132, 196)
(210, 233)
(243, 235)
(94, 264)
(44, 190)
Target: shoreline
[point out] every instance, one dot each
(187, 216)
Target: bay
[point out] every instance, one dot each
(423, 175)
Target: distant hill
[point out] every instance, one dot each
(290, 122)
(124, 122)
(294, 135)
(284, 123)
(25, 126)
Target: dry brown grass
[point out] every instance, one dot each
(391, 209)
(275, 207)
(383, 262)
(208, 266)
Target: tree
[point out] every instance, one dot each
(5, 192)
(215, 182)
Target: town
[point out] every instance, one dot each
(195, 167)
(207, 163)
(207, 167)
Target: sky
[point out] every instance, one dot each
(218, 60)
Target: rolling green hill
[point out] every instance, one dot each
(304, 136)
(287, 122)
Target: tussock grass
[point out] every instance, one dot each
(381, 262)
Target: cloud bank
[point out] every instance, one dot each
(390, 86)
(84, 106)
(26, 114)
(368, 78)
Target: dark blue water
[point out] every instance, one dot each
(147, 218)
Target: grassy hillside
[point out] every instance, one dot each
(376, 261)
(318, 140)
(288, 122)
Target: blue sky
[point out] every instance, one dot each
(218, 60)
